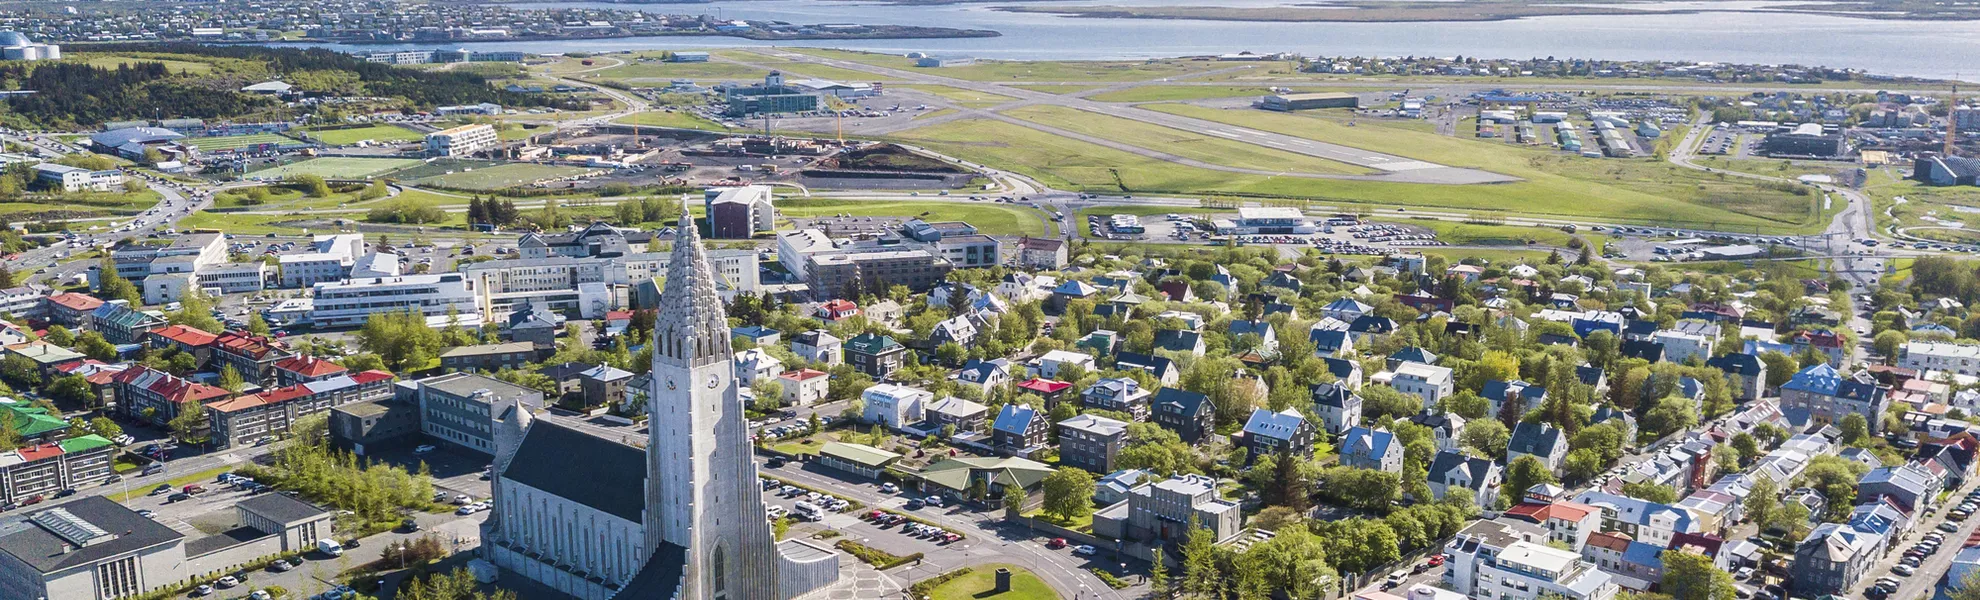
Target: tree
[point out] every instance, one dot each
(230, 379)
(363, 362)
(93, 345)
(1780, 367)
(1855, 429)
(1069, 493)
(1524, 472)
(1379, 401)
(71, 389)
(310, 185)
(1692, 576)
(60, 336)
(1466, 404)
(1158, 571)
(1014, 498)
(1888, 343)
(1747, 446)
(20, 371)
(1157, 449)
(1487, 437)
(112, 286)
(401, 339)
(195, 311)
(1288, 486)
(257, 325)
(105, 427)
(1762, 504)
(1650, 492)
(1203, 579)
(190, 425)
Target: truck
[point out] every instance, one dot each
(483, 571)
(330, 547)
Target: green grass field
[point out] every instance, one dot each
(382, 133)
(963, 97)
(1159, 93)
(337, 167)
(1206, 148)
(1556, 184)
(1056, 88)
(112, 61)
(1625, 191)
(793, 69)
(676, 119)
(231, 142)
(1475, 234)
(1124, 70)
(979, 583)
(237, 223)
(501, 176)
(990, 219)
(653, 71)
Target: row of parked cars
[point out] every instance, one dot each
(920, 530)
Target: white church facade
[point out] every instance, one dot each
(681, 519)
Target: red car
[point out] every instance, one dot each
(1436, 561)
(1056, 543)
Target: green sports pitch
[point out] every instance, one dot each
(236, 142)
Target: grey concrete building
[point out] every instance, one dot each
(1090, 442)
(455, 408)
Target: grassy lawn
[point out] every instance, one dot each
(502, 176)
(984, 70)
(1206, 148)
(990, 219)
(1156, 93)
(519, 131)
(230, 142)
(978, 583)
(1496, 256)
(337, 167)
(675, 119)
(962, 97)
(176, 482)
(1555, 184)
(793, 69)
(656, 71)
(238, 197)
(1772, 167)
(1473, 234)
(1057, 88)
(246, 224)
(112, 61)
(1076, 524)
(804, 445)
(382, 133)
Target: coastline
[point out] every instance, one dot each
(1416, 12)
(891, 32)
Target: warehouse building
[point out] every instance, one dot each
(1806, 139)
(1292, 102)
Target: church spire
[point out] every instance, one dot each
(691, 328)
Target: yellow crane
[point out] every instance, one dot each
(838, 108)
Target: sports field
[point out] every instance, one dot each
(337, 167)
(231, 142)
(382, 133)
(501, 176)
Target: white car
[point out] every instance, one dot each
(1084, 550)
(424, 449)
(228, 581)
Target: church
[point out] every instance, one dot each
(682, 518)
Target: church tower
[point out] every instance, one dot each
(702, 492)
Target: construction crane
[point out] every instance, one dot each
(838, 108)
(1952, 117)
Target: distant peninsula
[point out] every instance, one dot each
(864, 32)
(1387, 11)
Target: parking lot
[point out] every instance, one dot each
(1336, 236)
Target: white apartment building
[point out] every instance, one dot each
(76, 179)
(1680, 347)
(464, 140)
(330, 260)
(895, 405)
(1430, 382)
(233, 278)
(348, 303)
(1530, 570)
(589, 285)
(794, 249)
(1941, 356)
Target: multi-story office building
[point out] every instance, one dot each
(455, 407)
(350, 303)
(187, 253)
(968, 251)
(1165, 509)
(330, 259)
(849, 274)
(592, 285)
(465, 140)
(739, 213)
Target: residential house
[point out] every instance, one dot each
(965, 415)
(1431, 383)
(754, 365)
(1827, 395)
(1524, 396)
(1641, 520)
(1187, 413)
(1446, 428)
(1453, 471)
(875, 355)
(895, 406)
(1267, 339)
(1539, 440)
(1746, 374)
(817, 346)
(1091, 442)
(804, 387)
(1118, 394)
(987, 376)
(1337, 407)
(1267, 433)
(1048, 365)
(1019, 430)
(1165, 371)
(1364, 448)
(489, 357)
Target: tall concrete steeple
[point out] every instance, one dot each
(702, 491)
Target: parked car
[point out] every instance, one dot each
(228, 581)
(1084, 550)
